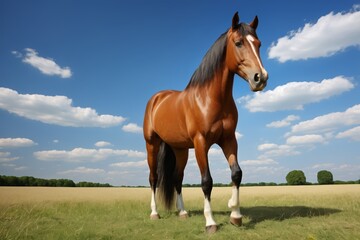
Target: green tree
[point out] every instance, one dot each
(52, 182)
(296, 177)
(69, 183)
(13, 181)
(42, 182)
(3, 180)
(325, 177)
(27, 181)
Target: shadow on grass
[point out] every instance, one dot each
(259, 214)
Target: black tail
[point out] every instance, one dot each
(167, 175)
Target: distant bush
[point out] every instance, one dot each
(325, 177)
(296, 177)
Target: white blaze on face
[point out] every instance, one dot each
(251, 40)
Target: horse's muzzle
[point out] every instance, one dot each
(259, 81)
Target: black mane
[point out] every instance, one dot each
(210, 63)
(214, 58)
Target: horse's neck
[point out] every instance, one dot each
(221, 87)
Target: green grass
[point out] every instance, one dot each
(314, 215)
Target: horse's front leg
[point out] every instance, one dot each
(234, 202)
(201, 151)
(230, 150)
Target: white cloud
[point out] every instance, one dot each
(45, 65)
(305, 139)
(130, 164)
(56, 110)
(216, 152)
(8, 165)
(268, 173)
(329, 122)
(16, 142)
(294, 95)
(258, 162)
(283, 123)
(21, 168)
(83, 170)
(322, 165)
(4, 154)
(132, 127)
(17, 54)
(340, 171)
(330, 34)
(102, 144)
(271, 150)
(5, 157)
(238, 135)
(85, 155)
(353, 133)
(267, 146)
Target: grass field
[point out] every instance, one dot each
(286, 212)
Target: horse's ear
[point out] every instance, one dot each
(254, 23)
(235, 21)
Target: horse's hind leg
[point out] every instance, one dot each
(181, 160)
(152, 152)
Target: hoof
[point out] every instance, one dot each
(154, 216)
(183, 216)
(211, 229)
(236, 221)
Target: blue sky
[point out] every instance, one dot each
(75, 77)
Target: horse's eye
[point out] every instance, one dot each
(238, 44)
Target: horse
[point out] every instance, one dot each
(201, 115)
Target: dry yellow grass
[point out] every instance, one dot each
(18, 195)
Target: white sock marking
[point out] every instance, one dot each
(153, 204)
(208, 213)
(234, 203)
(180, 205)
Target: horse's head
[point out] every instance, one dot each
(243, 55)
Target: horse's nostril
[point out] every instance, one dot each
(257, 77)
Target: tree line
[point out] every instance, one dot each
(295, 177)
(32, 182)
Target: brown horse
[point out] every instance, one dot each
(200, 116)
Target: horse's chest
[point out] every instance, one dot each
(217, 128)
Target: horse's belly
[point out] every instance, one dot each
(173, 133)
